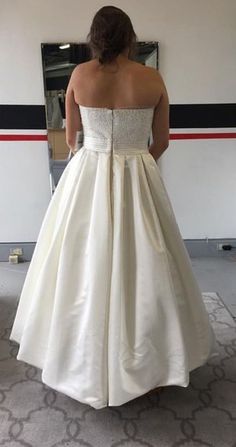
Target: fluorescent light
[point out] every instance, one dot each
(64, 46)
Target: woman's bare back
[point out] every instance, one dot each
(122, 84)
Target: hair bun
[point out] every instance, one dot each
(111, 32)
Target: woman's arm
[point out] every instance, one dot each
(160, 125)
(73, 118)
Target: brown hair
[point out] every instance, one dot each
(110, 33)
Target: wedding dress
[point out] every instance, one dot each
(110, 308)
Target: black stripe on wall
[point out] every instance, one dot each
(22, 117)
(202, 115)
(181, 116)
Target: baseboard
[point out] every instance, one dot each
(209, 247)
(27, 250)
(195, 247)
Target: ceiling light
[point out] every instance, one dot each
(64, 46)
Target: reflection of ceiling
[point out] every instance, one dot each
(145, 49)
(58, 70)
(59, 63)
(58, 67)
(54, 56)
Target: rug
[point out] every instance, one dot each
(203, 414)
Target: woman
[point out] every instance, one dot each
(113, 80)
(110, 308)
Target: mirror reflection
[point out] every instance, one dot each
(59, 60)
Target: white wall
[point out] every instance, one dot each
(197, 46)
(25, 189)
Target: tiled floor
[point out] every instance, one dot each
(218, 275)
(203, 414)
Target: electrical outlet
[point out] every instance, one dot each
(13, 259)
(16, 251)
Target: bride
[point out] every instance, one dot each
(110, 308)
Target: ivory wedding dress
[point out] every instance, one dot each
(110, 308)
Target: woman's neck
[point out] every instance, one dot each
(121, 60)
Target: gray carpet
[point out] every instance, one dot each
(203, 414)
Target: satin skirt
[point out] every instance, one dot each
(110, 307)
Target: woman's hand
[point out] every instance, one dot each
(152, 153)
(157, 151)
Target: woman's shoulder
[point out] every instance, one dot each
(145, 73)
(79, 72)
(131, 64)
(134, 70)
(149, 75)
(83, 66)
(148, 71)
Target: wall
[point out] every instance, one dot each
(197, 44)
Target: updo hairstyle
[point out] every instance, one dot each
(111, 32)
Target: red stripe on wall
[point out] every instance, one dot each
(23, 137)
(173, 136)
(198, 136)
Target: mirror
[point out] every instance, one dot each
(59, 60)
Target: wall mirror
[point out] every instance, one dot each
(59, 60)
